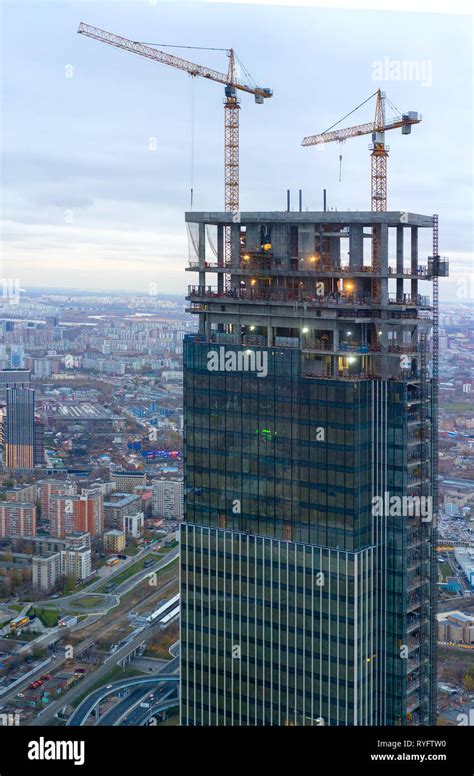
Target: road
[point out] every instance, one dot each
(89, 703)
(70, 696)
(167, 700)
(53, 665)
(114, 715)
(48, 714)
(110, 601)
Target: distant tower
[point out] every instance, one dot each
(19, 428)
(17, 356)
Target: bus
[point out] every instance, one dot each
(19, 622)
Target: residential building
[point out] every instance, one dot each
(133, 525)
(46, 571)
(126, 481)
(168, 499)
(114, 541)
(17, 519)
(119, 505)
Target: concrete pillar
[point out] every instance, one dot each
(235, 246)
(356, 246)
(400, 235)
(220, 246)
(384, 262)
(202, 245)
(414, 259)
(280, 242)
(335, 251)
(253, 237)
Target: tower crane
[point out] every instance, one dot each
(379, 155)
(231, 105)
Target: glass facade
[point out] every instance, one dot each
(275, 632)
(307, 567)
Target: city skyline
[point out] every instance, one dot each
(236, 375)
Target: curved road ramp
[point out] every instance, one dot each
(88, 705)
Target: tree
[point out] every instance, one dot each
(468, 681)
(68, 585)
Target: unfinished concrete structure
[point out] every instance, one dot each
(310, 464)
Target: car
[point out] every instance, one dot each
(108, 687)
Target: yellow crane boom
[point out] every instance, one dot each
(377, 128)
(231, 104)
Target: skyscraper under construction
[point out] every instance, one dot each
(307, 551)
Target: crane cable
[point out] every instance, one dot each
(176, 45)
(193, 80)
(349, 114)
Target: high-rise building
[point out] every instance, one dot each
(17, 519)
(12, 377)
(25, 493)
(17, 356)
(76, 562)
(168, 499)
(19, 427)
(308, 578)
(46, 571)
(119, 505)
(92, 512)
(38, 443)
(84, 513)
(49, 488)
(126, 481)
(133, 525)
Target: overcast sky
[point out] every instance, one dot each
(86, 203)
